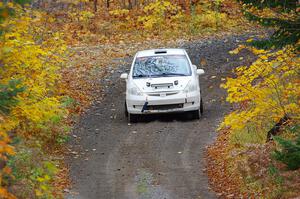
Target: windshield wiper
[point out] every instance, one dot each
(160, 75)
(140, 76)
(173, 74)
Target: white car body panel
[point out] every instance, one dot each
(161, 94)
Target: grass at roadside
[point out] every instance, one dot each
(249, 172)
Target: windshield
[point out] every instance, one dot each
(161, 66)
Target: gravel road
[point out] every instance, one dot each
(161, 157)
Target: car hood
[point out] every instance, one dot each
(162, 84)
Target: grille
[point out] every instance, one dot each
(162, 85)
(167, 93)
(164, 107)
(171, 93)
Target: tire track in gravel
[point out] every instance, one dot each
(161, 157)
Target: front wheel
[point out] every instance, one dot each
(132, 118)
(201, 107)
(197, 113)
(126, 111)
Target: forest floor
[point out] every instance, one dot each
(162, 156)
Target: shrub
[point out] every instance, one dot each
(290, 151)
(8, 94)
(31, 105)
(32, 176)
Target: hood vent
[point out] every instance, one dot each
(160, 52)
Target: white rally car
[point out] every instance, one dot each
(162, 81)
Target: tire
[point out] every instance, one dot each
(126, 111)
(198, 113)
(201, 107)
(132, 118)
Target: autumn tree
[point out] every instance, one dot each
(282, 15)
(267, 92)
(31, 105)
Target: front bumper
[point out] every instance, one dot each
(180, 102)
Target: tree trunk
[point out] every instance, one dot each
(188, 7)
(123, 4)
(107, 4)
(95, 5)
(185, 5)
(129, 5)
(181, 4)
(276, 128)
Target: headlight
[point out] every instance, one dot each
(134, 90)
(191, 87)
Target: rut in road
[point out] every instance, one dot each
(162, 156)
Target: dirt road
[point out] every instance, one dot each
(160, 157)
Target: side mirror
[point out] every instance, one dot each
(124, 76)
(195, 67)
(200, 72)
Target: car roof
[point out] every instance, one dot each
(163, 51)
